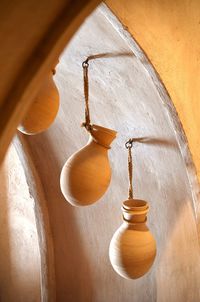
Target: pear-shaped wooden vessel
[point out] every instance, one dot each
(43, 110)
(133, 249)
(86, 175)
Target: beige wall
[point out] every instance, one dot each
(123, 96)
(169, 33)
(19, 251)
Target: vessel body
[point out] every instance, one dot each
(133, 248)
(86, 175)
(43, 109)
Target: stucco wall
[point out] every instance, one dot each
(19, 251)
(169, 33)
(122, 97)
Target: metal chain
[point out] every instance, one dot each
(87, 123)
(129, 145)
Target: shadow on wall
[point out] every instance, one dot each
(155, 141)
(108, 55)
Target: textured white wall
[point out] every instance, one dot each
(123, 97)
(19, 251)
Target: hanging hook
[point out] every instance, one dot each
(129, 143)
(85, 63)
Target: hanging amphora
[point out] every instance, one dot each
(86, 175)
(133, 248)
(43, 109)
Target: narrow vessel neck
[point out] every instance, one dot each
(95, 143)
(102, 136)
(135, 211)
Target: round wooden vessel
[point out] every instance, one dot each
(133, 249)
(86, 175)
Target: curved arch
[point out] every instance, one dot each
(46, 250)
(169, 33)
(36, 49)
(77, 248)
(168, 106)
(20, 276)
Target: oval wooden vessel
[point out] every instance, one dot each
(86, 175)
(133, 249)
(43, 110)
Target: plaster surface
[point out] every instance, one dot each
(169, 33)
(19, 251)
(122, 97)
